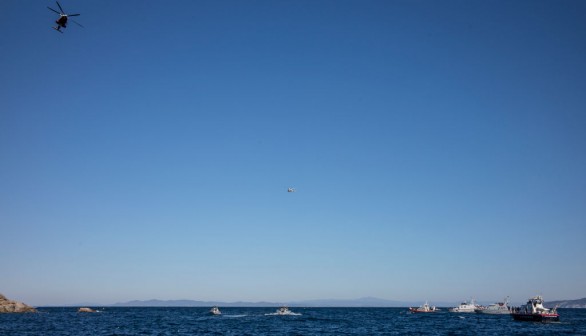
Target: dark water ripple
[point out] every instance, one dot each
(255, 321)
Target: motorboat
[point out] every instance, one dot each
(465, 307)
(86, 310)
(284, 311)
(425, 308)
(499, 308)
(534, 311)
(215, 311)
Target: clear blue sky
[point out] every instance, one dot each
(438, 149)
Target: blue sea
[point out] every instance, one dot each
(259, 321)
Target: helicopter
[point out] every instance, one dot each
(291, 190)
(62, 20)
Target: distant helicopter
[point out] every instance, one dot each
(62, 20)
(290, 189)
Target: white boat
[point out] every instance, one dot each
(284, 311)
(215, 311)
(534, 311)
(498, 308)
(465, 307)
(425, 308)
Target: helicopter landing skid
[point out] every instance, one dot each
(59, 30)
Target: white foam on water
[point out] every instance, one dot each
(277, 314)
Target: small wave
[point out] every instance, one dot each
(235, 316)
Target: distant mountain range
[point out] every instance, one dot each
(361, 302)
(191, 303)
(580, 303)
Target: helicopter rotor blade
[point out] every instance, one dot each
(73, 14)
(54, 10)
(62, 12)
(77, 23)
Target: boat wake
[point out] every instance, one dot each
(283, 311)
(283, 314)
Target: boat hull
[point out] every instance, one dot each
(415, 310)
(536, 317)
(493, 312)
(458, 310)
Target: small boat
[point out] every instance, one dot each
(284, 311)
(534, 311)
(426, 308)
(86, 310)
(498, 308)
(465, 307)
(215, 311)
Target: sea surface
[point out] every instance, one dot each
(262, 321)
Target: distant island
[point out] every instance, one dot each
(579, 303)
(361, 302)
